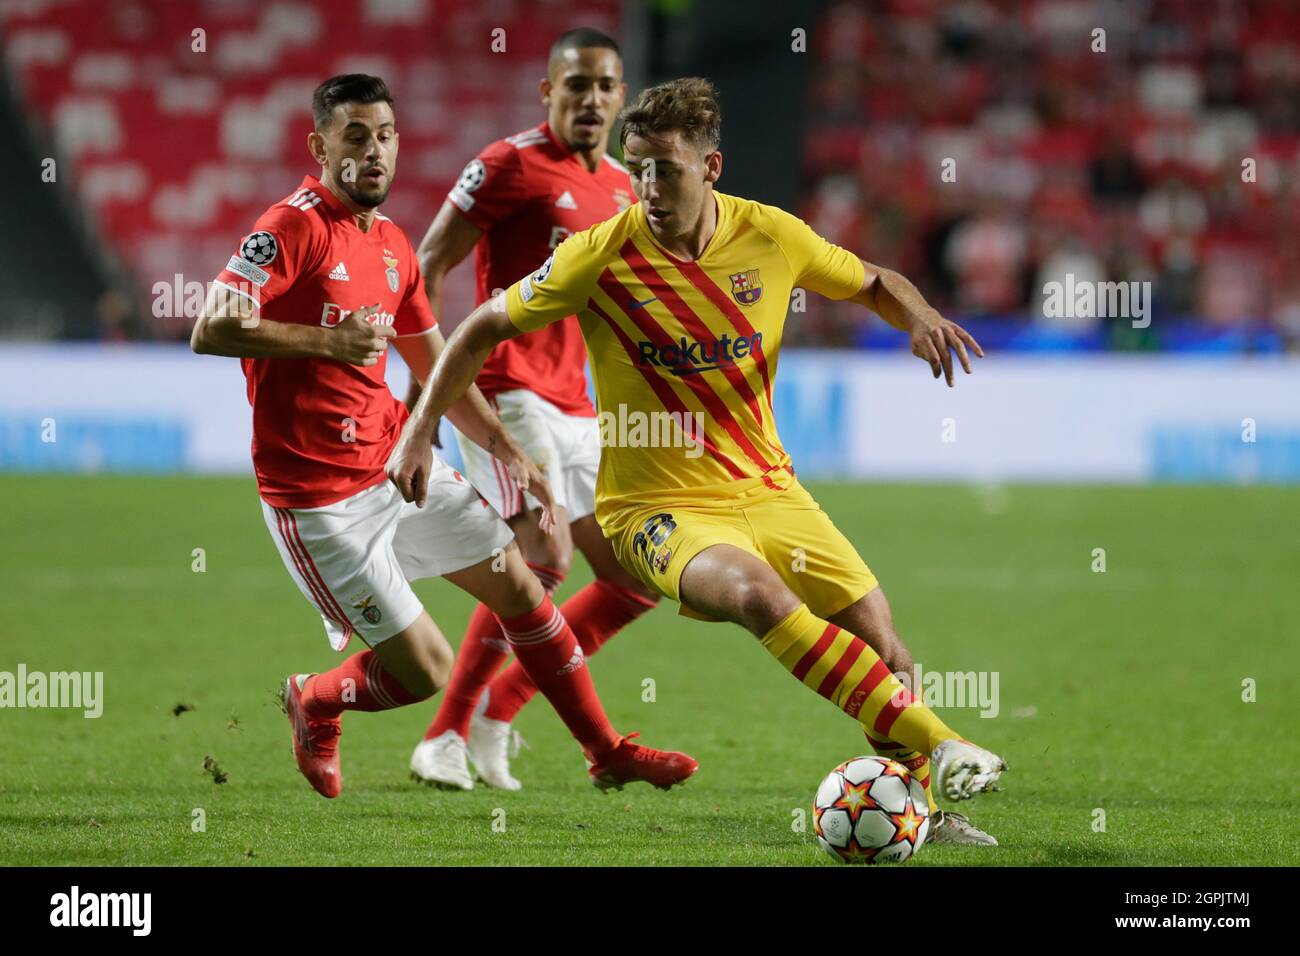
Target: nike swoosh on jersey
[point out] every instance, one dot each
(641, 305)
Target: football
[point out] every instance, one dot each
(871, 810)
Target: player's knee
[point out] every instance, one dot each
(761, 605)
(553, 553)
(556, 559)
(561, 564)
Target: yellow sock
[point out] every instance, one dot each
(917, 764)
(846, 671)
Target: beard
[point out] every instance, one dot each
(368, 199)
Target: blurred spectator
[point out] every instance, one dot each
(1123, 165)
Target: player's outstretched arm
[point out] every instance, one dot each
(229, 326)
(892, 297)
(452, 377)
(472, 414)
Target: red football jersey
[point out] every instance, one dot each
(322, 429)
(527, 192)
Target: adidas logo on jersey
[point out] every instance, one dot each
(566, 201)
(340, 273)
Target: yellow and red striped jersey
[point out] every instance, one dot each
(683, 354)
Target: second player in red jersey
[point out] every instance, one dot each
(525, 194)
(512, 206)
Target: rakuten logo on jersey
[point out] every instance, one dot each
(691, 356)
(333, 314)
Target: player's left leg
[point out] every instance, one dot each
(871, 619)
(596, 612)
(456, 535)
(545, 646)
(824, 568)
(342, 558)
(461, 730)
(411, 666)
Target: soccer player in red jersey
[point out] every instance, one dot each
(512, 206)
(309, 303)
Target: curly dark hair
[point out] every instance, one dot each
(689, 104)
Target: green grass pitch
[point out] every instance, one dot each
(1119, 691)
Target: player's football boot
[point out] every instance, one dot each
(956, 828)
(440, 762)
(491, 745)
(315, 741)
(629, 762)
(962, 769)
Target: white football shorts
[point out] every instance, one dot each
(565, 447)
(353, 559)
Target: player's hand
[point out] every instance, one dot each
(409, 466)
(934, 338)
(356, 341)
(529, 478)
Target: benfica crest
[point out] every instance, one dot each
(746, 287)
(394, 278)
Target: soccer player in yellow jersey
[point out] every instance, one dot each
(682, 300)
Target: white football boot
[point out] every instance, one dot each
(441, 763)
(962, 769)
(956, 828)
(491, 745)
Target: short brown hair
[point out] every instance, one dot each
(689, 104)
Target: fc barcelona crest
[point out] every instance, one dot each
(746, 287)
(394, 278)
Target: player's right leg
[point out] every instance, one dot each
(595, 612)
(548, 650)
(483, 698)
(461, 728)
(731, 583)
(461, 720)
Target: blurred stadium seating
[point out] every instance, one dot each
(1118, 165)
(1123, 165)
(175, 152)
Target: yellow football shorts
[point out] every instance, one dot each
(788, 531)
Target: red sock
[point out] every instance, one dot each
(359, 683)
(481, 653)
(548, 651)
(596, 613)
